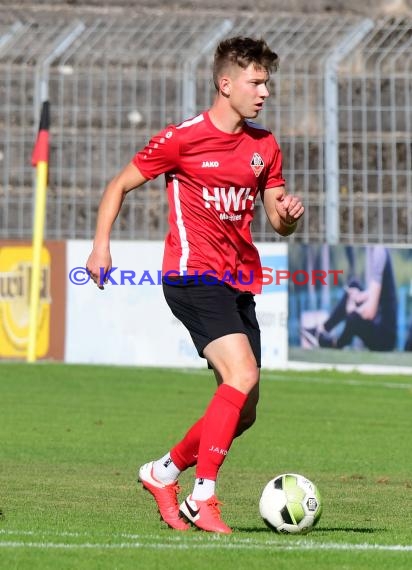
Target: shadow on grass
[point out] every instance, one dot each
(324, 530)
(348, 529)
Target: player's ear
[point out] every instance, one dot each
(225, 86)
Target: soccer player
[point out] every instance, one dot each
(215, 165)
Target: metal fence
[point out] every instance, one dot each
(340, 108)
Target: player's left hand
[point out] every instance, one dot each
(289, 208)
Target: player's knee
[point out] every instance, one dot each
(243, 377)
(249, 375)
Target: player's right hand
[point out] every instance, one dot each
(98, 265)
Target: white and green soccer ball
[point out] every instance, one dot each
(290, 504)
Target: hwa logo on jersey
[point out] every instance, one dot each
(228, 200)
(257, 164)
(210, 164)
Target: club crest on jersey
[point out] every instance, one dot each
(257, 164)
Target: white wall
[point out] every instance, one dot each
(132, 324)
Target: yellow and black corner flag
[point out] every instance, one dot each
(39, 159)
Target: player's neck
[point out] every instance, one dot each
(226, 119)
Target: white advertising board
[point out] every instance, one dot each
(129, 322)
(272, 305)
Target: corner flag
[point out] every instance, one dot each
(39, 159)
(41, 147)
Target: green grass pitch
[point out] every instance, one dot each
(72, 438)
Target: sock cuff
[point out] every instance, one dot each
(232, 395)
(177, 460)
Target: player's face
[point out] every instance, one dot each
(248, 90)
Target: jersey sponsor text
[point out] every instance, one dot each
(230, 199)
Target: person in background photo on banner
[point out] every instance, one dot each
(215, 166)
(369, 313)
(408, 343)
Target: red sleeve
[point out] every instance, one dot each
(160, 155)
(275, 176)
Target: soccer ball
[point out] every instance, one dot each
(290, 504)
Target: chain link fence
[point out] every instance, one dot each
(340, 109)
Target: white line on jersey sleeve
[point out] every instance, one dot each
(190, 122)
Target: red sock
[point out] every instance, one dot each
(185, 453)
(219, 427)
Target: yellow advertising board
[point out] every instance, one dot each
(15, 275)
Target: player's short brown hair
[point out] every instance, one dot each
(243, 51)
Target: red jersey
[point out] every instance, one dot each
(212, 180)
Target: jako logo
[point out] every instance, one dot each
(218, 450)
(210, 164)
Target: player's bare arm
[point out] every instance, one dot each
(127, 179)
(283, 210)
